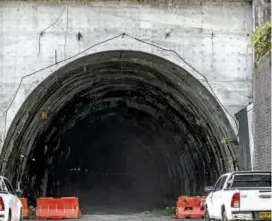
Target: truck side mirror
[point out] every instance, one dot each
(19, 192)
(208, 189)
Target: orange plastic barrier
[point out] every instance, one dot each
(71, 207)
(25, 211)
(58, 208)
(49, 208)
(190, 207)
(182, 200)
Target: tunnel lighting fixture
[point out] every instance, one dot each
(22, 156)
(33, 159)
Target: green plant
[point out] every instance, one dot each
(229, 140)
(202, 123)
(201, 127)
(32, 212)
(261, 40)
(167, 211)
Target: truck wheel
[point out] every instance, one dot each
(224, 216)
(21, 215)
(9, 216)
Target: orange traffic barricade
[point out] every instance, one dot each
(58, 208)
(71, 207)
(191, 207)
(25, 211)
(182, 200)
(50, 208)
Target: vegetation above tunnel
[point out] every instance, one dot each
(261, 40)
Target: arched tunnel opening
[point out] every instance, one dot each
(124, 130)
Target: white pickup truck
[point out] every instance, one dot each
(240, 196)
(10, 204)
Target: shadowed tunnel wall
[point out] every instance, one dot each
(121, 125)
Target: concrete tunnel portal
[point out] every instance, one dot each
(125, 129)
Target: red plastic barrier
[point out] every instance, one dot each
(50, 208)
(25, 211)
(71, 207)
(58, 208)
(182, 200)
(192, 207)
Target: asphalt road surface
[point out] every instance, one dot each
(132, 217)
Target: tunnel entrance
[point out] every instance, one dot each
(124, 130)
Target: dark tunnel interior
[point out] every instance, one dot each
(124, 130)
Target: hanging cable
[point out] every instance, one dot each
(103, 42)
(181, 58)
(47, 67)
(44, 30)
(66, 31)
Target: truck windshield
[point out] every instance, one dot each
(251, 180)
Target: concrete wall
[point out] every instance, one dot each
(211, 35)
(261, 11)
(251, 132)
(262, 115)
(262, 95)
(246, 145)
